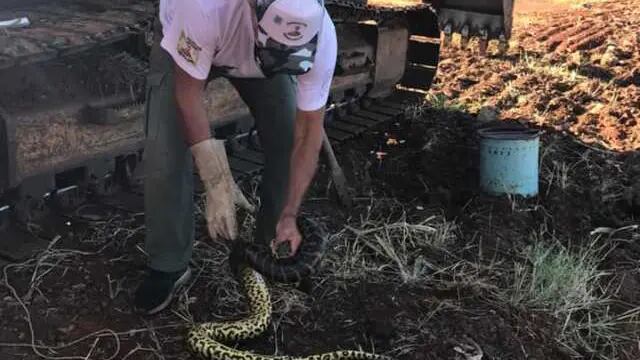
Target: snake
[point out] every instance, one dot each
(250, 263)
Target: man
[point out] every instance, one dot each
(280, 57)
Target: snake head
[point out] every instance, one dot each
(284, 268)
(283, 250)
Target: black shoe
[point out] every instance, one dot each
(158, 288)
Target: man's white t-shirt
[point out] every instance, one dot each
(199, 34)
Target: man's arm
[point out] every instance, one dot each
(210, 158)
(192, 114)
(304, 160)
(312, 93)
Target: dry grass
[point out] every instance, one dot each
(442, 103)
(563, 168)
(554, 172)
(572, 286)
(537, 66)
(556, 280)
(382, 248)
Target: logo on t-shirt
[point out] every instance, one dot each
(188, 49)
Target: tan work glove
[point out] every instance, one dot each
(222, 192)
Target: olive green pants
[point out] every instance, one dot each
(168, 165)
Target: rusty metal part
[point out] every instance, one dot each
(457, 20)
(494, 16)
(356, 50)
(105, 111)
(65, 27)
(464, 36)
(503, 44)
(391, 49)
(359, 10)
(448, 34)
(486, 20)
(484, 42)
(490, 19)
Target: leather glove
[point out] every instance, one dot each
(222, 192)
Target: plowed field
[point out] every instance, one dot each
(424, 266)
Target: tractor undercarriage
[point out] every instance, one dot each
(72, 101)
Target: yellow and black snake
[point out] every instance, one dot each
(249, 262)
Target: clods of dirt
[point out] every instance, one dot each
(561, 68)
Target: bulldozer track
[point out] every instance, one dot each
(58, 31)
(75, 205)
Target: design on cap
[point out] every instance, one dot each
(293, 30)
(274, 58)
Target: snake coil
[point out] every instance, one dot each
(249, 263)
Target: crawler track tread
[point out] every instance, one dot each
(60, 31)
(245, 163)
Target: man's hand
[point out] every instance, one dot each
(304, 159)
(222, 193)
(286, 231)
(221, 209)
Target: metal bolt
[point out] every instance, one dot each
(484, 41)
(448, 34)
(464, 39)
(503, 44)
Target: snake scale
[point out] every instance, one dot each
(248, 263)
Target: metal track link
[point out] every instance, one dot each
(246, 160)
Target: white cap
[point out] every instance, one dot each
(292, 22)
